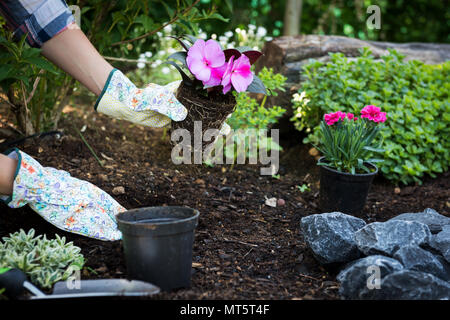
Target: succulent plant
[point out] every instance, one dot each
(44, 261)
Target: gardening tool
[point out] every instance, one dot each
(14, 281)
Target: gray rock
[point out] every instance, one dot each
(415, 258)
(441, 242)
(430, 217)
(387, 237)
(356, 277)
(409, 285)
(330, 236)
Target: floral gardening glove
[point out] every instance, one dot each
(152, 106)
(68, 203)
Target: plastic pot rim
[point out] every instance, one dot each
(351, 174)
(195, 215)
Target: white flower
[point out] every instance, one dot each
(141, 65)
(223, 39)
(161, 53)
(157, 62)
(238, 30)
(165, 70)
(268, 38)
(251, 27)
(148, 54)
(214, 36)
(159, 34)
(255, 48)
(142, 56)
(261, 32)
(202, 35)
(171, 50)
(299, 97)
(228, 34)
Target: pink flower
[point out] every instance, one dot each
(350, 116)
(370, 112)
(331, 118)
(381, 117)
(341, 115)
(238, 74)
(204, 60)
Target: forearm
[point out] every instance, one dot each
(73, 52)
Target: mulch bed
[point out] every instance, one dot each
(243, 249)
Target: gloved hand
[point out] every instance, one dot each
(152, 106)
(70, 204)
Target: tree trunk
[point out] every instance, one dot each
(292, 17)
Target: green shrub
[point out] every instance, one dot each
(44, 261)
(414, 95)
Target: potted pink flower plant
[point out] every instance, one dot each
(214, 74)
(347, 168)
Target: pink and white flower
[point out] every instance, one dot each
(206, 60)
(238, 74)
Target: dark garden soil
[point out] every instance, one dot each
(243, 249)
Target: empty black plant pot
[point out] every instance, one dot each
(344, 192)
(157, 243)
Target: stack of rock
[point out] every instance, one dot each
(406, 257)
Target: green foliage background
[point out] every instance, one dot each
(401, 20)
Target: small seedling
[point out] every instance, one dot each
(304, 187)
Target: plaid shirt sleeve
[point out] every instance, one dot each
(40, 20)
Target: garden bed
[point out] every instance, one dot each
(243, 249)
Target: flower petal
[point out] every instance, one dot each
(214, 54)
(197, 51)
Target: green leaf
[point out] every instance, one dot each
(368, 148)
(179, 56)
(185, 77)
(5, 71)
(42, 64)
(257, 86)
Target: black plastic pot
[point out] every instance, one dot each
(157, 243)
(344, 192)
